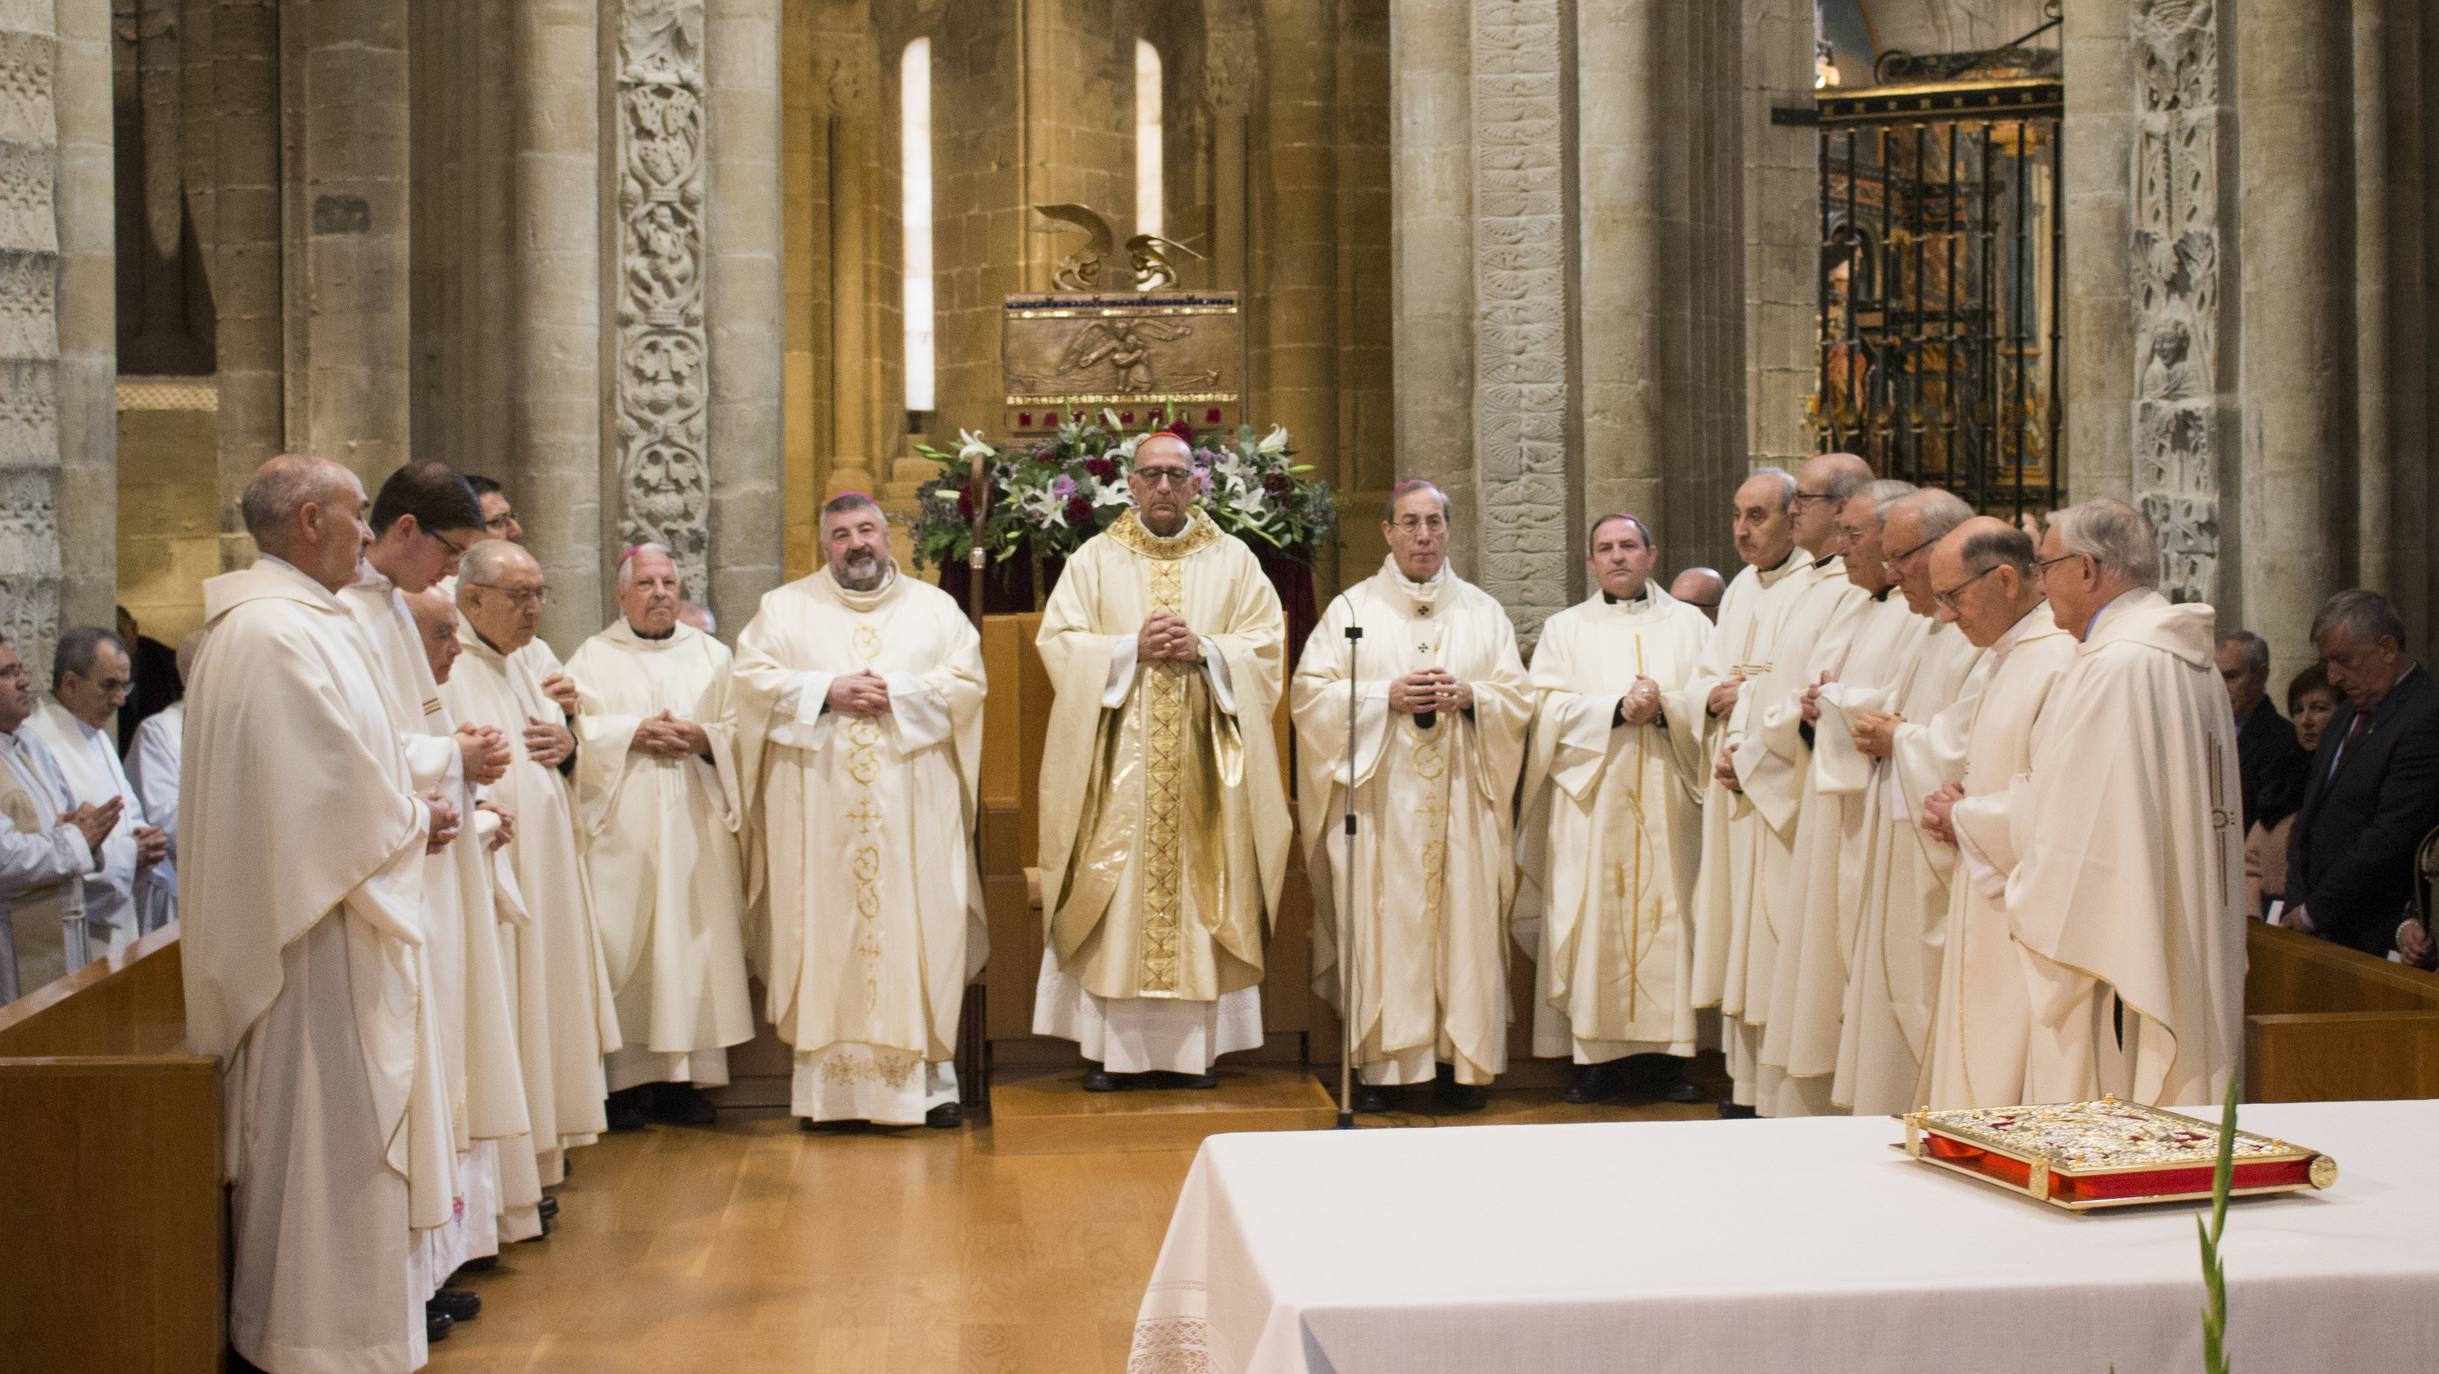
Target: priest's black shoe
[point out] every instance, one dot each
(682, 1104)
(1372, 1097)
(481, 1264)
(948, 1116)
(1101, 1080)
(626, 1110)
(459, 1305)
(1197, 1080)
(1732, 1110)
(436, 1328)
(1454, 1096)
(549, 1208)
(1591, 1084)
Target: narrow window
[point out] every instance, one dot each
(1147, 138)
(915, 97)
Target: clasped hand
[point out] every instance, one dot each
(485, 751)
(548, 743)
(1723, 696)
(94, 823)
(1724, 770)
(1811, 709)
(1165, 635)
(1433, 689)
(1938, 810)
(1641, 704)
(860, 693)
(666, 737)
(1875, 732)
(444, 820)
(507, 830)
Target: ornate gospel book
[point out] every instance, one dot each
(2083, 1155)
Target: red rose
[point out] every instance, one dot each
(1183, 431)
(1102, 468)
(1079, 511)
(1276, 484)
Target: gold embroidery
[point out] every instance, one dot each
(1129, 534)
(1428, 757)
(896, 1068)
(864, 861)
(1165, 690)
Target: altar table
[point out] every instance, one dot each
(1803, 1245)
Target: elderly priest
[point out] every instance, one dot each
(1613, 829)
(859, 720)
(303, 933)
(662, 804)
(1439, 717)
(551, 943)
(1164, 837)
(89, 676)
(47, 844)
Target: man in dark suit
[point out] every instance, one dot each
(2374, 790)
(2264, 738)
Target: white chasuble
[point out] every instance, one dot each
(2125, 898)
(549, 940)
(118, 896)
(152, 769)
(1435, 859)
(1612, 831)
(662, 849)
(1829, 868)
(42, 867)
(1164, 818)
(303, 935)
(1972, 1051)
(875, 898)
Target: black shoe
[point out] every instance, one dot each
(549, 1208)
(626, 1111)
(1591, 1084)
(436, 1328)
(682, 1104)
(459, 1305)
(948, 1116)
(482, 1264)
(1454, 1096)
(1196, 1080)
(1371, 1097)
(567, 1166)
(1101, 1080)
(1681, 1091)
(1731, 1110)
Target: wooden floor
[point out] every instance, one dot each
(752, 1246)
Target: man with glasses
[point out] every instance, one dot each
(1762, 760)
(423, 519)
(1956, 992)
(1441, 706)
(1164, 825)
(1861, 657)
(89, 677)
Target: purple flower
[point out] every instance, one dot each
(1062, 487)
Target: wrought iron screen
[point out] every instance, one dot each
(1941, 239)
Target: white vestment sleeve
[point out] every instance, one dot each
(37, 860)
(922, 714)
(1121, 672)
(1215, 667)
(434, 761)
(798, 719)
(153, 772)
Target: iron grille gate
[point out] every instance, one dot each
(1942, 236)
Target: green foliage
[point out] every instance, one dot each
(2214, 1269)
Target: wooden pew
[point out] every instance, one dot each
(2326, 1023)
(110, 1174)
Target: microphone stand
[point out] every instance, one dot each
(1346, 913)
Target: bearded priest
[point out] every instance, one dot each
(1164, 838)
(662, 803)
(1613, 826)
(859, 724)
(1441, 706)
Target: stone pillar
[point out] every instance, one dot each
(344, 112)
(554, 376)
(2097, 142)
(29, 337)
(743, 42)
(242, 251)
(851, 255)
(2392, 492)
(1432, 254)
(1299, 299)
(1633, 289)
(2294, 86)
(87, 319)
(1782, 232)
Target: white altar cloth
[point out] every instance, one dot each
(1803, 1244)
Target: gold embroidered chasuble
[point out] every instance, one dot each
(1164, 825)
(875, 950)
(1435, 866)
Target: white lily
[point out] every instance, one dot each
(1275, 442)
(975, 446)
(1126, 447)
(1109, 419)
(1113, 494)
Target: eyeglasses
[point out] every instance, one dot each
(1949, 597)
(1169, 477)
(455, 549)
(2041, 569)
(1896, 558)
(1802, 496)
(1413, 524)
(522, 596)
(500, 521)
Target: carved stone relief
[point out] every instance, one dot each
(29, 339)
(2175, 263)
(1520, 294)
(663, 347)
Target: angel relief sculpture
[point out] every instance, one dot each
(1080, 270)
(1121, 344)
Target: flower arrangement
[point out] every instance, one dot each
(1048, 497)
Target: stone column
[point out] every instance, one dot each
(851, 255)
(1299, 377)
(243, 254)
(2392, 491)
(743, 41)
(1633, 292)
(1432, 254)
(29, 337)
(2294, 86)
(344, 112)
(1782, 232)
(87, 319)
(554, 380)
(2098, 145)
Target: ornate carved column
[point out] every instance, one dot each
(2182, 441)
(745, 306)
(2294, 91)
(29, 337)
(1432, 249)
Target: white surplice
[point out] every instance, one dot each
(662, 849)
(1612, 831)
(42, 867)
(303, 941)
(868, 959)
(549, 939)
(152, 769)
(1972, 1051)
(121, 901)
(1435, 858)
